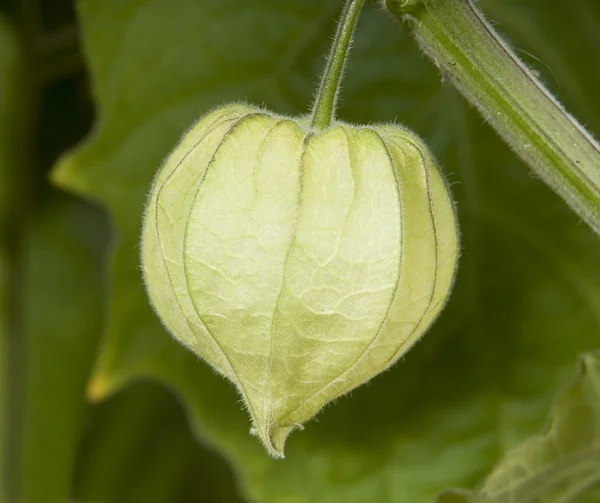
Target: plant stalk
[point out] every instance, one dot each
(324, 107)
(463, 44)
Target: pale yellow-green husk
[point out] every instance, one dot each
(298, 263)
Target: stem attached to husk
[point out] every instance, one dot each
(463, 44)
(324, 108)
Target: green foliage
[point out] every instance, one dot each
(64, 305)
(559, 466)
(464, 408)
(10, 66)
(140, 450)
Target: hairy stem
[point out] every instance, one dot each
(456, 35)
(324, 108)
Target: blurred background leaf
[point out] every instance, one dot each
(9, 59)
(10, 74)
(64, 306)
(560, 466)
(138, 449)
(527, 298)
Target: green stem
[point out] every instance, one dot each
(456, 35)
(324, 108)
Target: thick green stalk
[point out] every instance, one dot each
(324, 108)
(456, 35)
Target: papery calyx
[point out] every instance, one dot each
(298, 263)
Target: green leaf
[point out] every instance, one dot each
(9, 67)
(560, 466)
(10, 63)
(527, 296)
(138, 448)
(63, 310)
